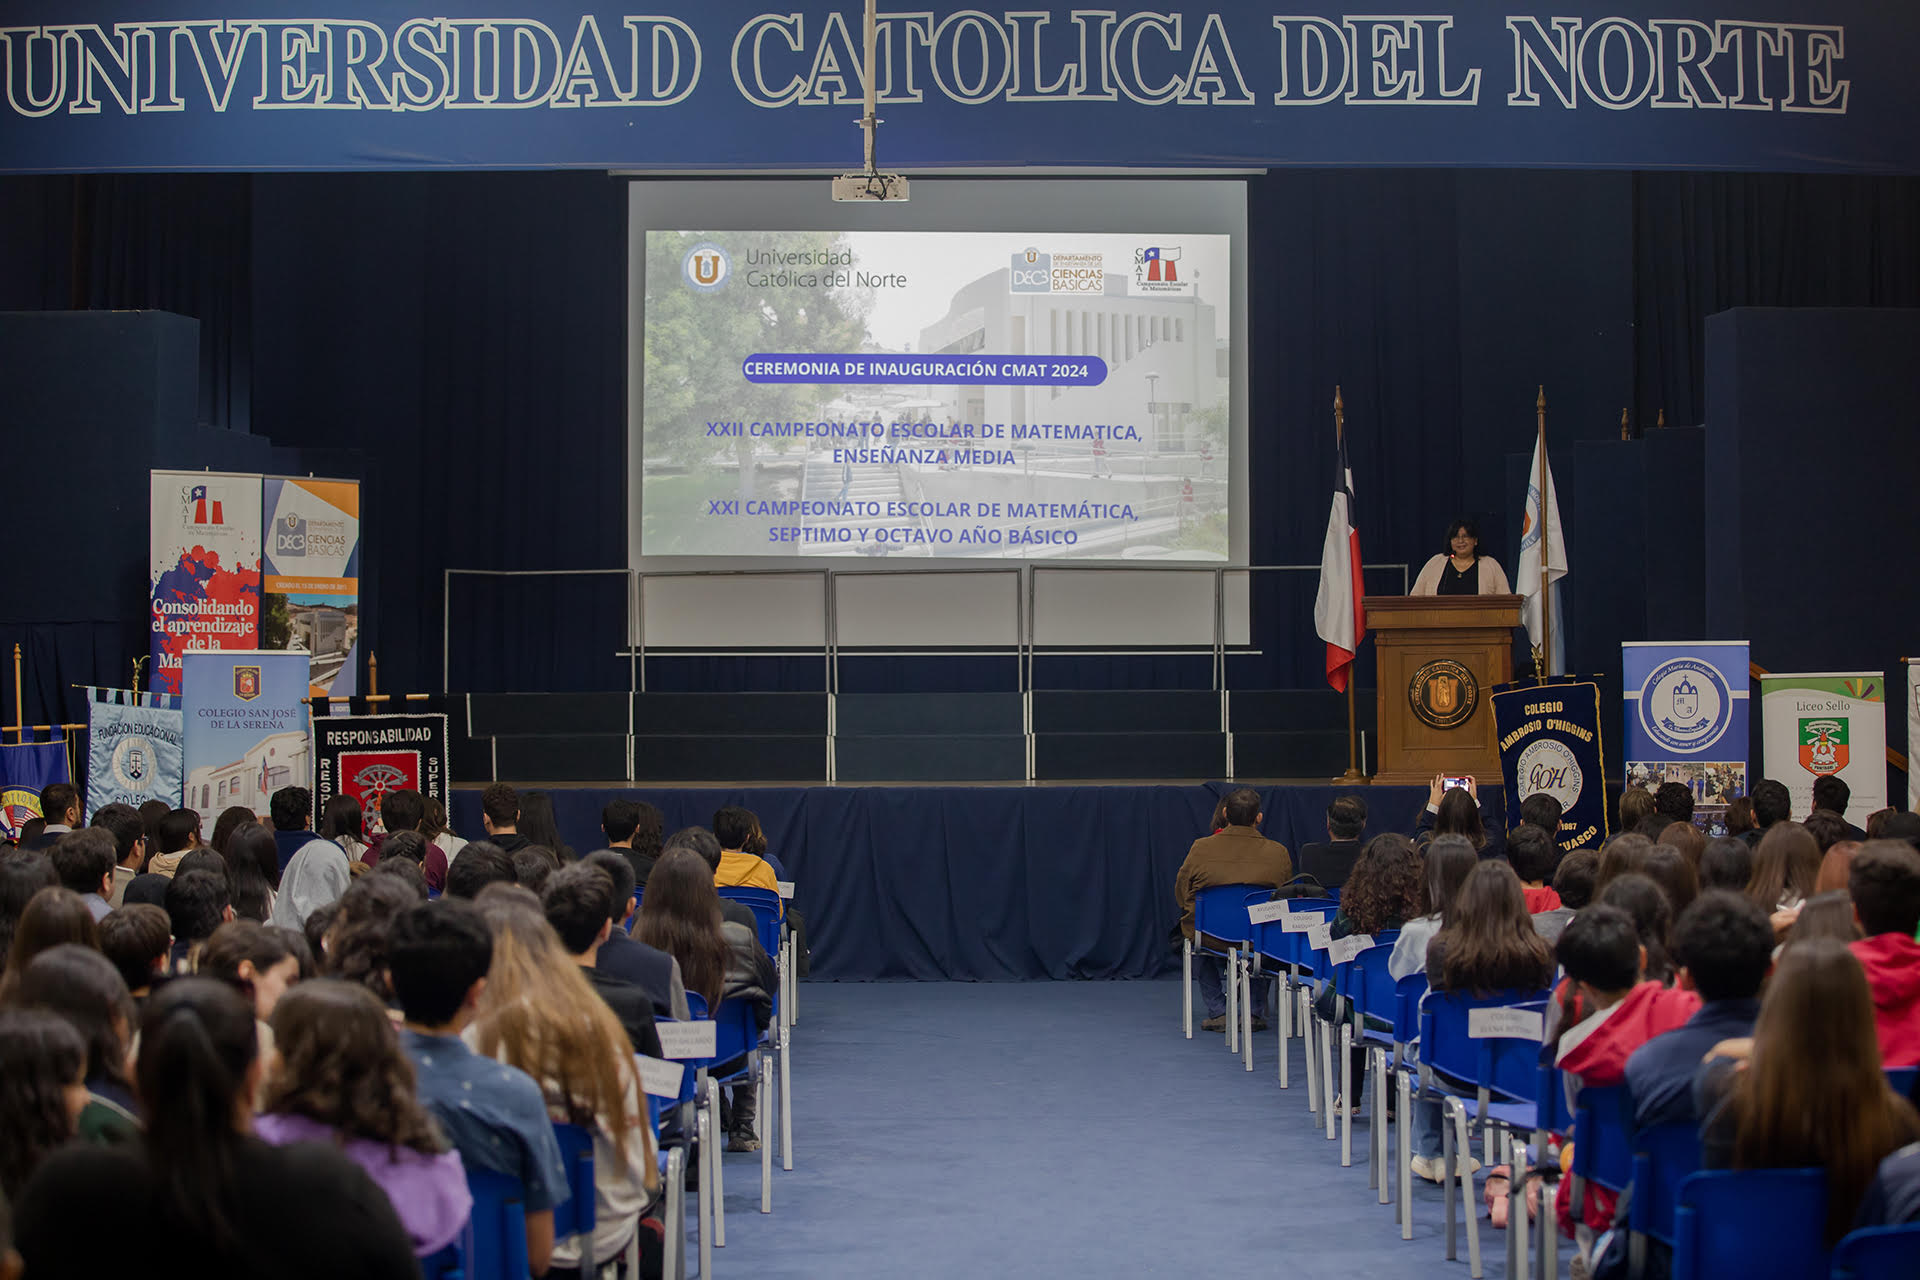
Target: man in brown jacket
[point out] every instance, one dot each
(1237, 854)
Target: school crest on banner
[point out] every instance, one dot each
(368, 757)
(26, 769)
(1550, 741)
(133, 748)
(1826, 724)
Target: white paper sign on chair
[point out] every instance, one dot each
(1506, 1024)
(1302, 921)
(1266, 912)
(1320, 937)
(660, 1079)
(687, 1039)
(1341, 950)
(785, 887)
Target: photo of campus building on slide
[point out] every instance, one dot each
(1126, 457)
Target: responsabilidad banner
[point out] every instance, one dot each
(368, 756)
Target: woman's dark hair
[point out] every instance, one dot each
(341, 1066)
(22, 875)
(1740, 815)
(649, 830)
(54, 915)
(357, 939)
(230, 820)
(1463, 524)
(40, 1057)
(1489, 943)
(253, 869)
(197, 1044)
(1643, 899)
(538, 825)
(1825, 915)
(1386, 887)
(1667, 867)
(1786, 864)
(82, 986)
(1726, 863)
(1636, 803)
(299, 948)
(343, 818)
(1459, 815)
(409, 845)
(433, 817)
(318, 924)
(407, 872)
(1618, 856)
(151, 814)
(1690, 840)
(1450, 860)
(242, 940)
(680, 915)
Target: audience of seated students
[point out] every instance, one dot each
(756, 847)
(43, 1063)
(1786, 867)
(500, 817)
(1885, 886)
(1652, 912)
(29, 837)
(1456, 811)
(625, 957)
(1771, 805)
(81, 985)
(1622, 1008)
(22, 876)
(122, 822)
(702, 841)
(1836, 864)
(1387, 888)
(152, 813)
(1726, 863)
(539, 826)
(406, 845)
(1667, 867)
(1573, 885)
(1620, 855)
(356, 942)
(60, 805)
(339, 1077)
(1690, 840)
(1449, 860)
(1236, 854)
(1532, 855)
(1831, 794)
(1651, 826)
(733, 827)
(135, 939)
(532, 864)
(445, 846)
(53, 916)
(407, 872)
(439, 956)
(1812, 1093)
(253, 959)
(1635, 804)
(345, 823)
(253, 870)
(540, 1014)
(719, 958)
(1329, 863)
(1824, 915)
(179, 836)
(632, 829)
(401, 811)
(1543, 811)
(1827, 829)
(84, 862)
(314, 875)
(198, 1194)
(197, 904)
(290, 810)
(226, 824)
(578, 902)
(1739, 818)
(1674, 802)
(481, 863)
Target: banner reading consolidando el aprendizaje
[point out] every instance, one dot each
(916, 394)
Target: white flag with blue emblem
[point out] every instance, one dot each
(1527, 577)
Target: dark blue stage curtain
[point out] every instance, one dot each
(980, 883)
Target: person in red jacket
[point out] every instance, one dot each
(1601, 951)
(1884, 883)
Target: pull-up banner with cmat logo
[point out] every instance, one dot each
(1687, 708)
(1787, 85)
(1550, 740)
(368, 756)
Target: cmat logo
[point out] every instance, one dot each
(1032, 272)
(202, 504)
(706, 267)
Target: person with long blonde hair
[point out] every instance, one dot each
(538, 1013)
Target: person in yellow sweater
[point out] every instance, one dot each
(733, 827)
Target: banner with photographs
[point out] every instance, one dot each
(133, 748)
(1686, 720)
(311, 593)
(1550, 740)
(245, 736)
(1826, 724)
(368, 756)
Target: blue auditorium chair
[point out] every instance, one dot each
(1875, 1253)
(777, 942)
(1292, 961)
(495, 1244)
(1220, 914)
(1757, 1224)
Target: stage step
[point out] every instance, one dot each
(1301, 710)
(730, 758)
(1155, 711)
(1308, 753)
(685, 715)
(561, 757)
(1157, 756)
(958, 757)
(880, 714)
(547, 713)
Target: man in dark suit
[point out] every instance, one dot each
(1237, 854)
(1831, 792)
(60, 806)
(649, 968)
(1329, 864)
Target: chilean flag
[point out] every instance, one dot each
(1338, 615)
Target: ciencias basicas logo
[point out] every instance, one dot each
(706, 267)
(1031, 272)
(290, 535)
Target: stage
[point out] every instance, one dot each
(979, 883)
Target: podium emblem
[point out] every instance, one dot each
(1443, 694)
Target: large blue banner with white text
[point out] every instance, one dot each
(1783, 85)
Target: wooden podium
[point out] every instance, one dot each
(1438, 660)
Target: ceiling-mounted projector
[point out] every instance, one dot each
(870, 186)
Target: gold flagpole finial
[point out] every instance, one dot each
(1339, 412)
(1626, 432)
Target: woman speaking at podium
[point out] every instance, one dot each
(1461, 570)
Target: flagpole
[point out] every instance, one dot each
(1546, 540)
(19, 717)
(1353, 773)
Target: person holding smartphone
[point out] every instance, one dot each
(1455, 810)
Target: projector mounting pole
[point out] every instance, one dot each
(870, 183)
(870, 123)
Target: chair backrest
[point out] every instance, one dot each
(1901, 1080)
(496, 1239)
(1555, 1116)
(1874, 1252)
(574, 1215)
(1603, 1136)
(1408, 993)
(1221, 911)
(1754, 1223)
(1370, 986)
(449, 1263)
(766, 913)
(1349, 974)
(1664, 1155)
(1449, 1044)
(735, 1031)
(1274, 941)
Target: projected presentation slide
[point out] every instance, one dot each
(918, 394)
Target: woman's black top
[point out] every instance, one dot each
(1453, 582)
